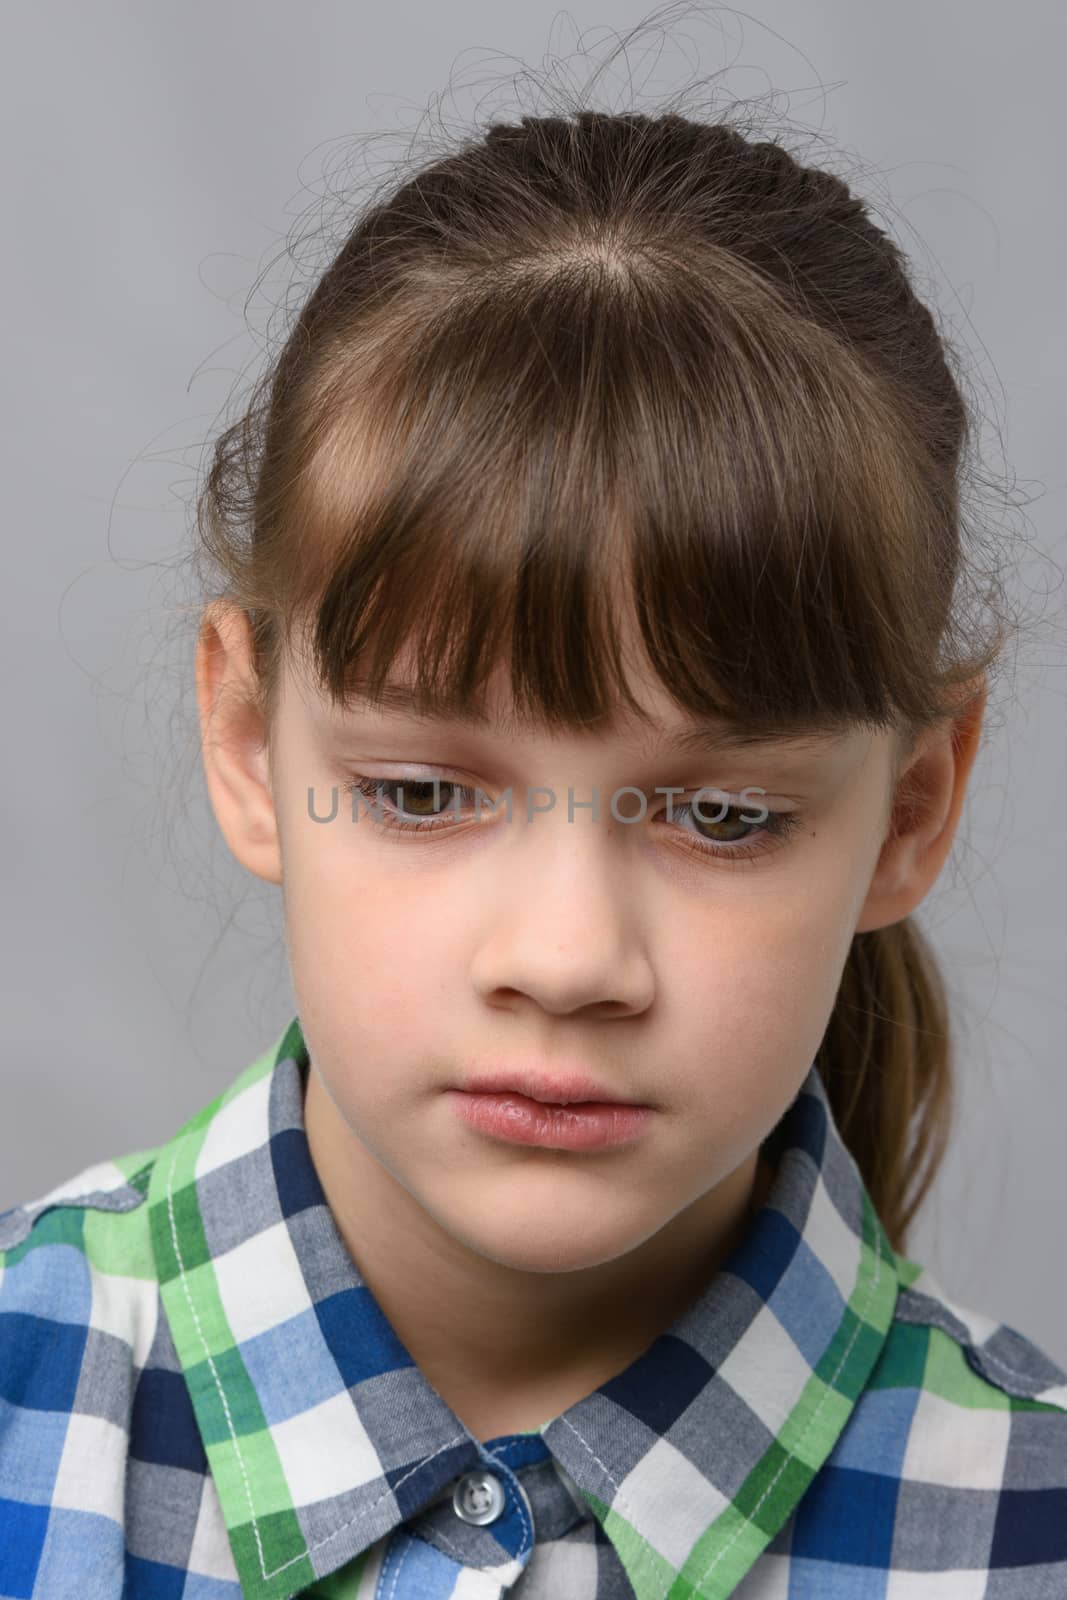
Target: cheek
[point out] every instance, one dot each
(368, 956)
(748, 987)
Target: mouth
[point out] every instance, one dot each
(578, 1125)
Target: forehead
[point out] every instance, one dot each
(397, 702)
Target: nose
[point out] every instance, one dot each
(563, 926)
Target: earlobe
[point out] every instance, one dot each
(927, 804)
(233, 741)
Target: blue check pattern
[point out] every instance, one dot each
(200, 1399)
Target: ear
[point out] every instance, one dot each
(233, 739)
(927, 801)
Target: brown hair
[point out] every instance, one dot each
(601, 359)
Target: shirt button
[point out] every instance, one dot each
(478, 1497)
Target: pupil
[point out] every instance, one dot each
(723, 822)
(424, 794)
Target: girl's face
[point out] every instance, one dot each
(690, 965)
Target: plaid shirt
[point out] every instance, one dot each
(201, 1399)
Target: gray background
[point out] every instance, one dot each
(155, 159)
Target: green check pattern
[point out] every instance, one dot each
(200, 1399)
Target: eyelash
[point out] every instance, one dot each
(777, 825)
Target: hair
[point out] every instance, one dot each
(604, 360)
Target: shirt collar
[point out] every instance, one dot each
(323, 1436)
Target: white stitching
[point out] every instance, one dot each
(624, 1506)
(827, 1391)
(459, 1438)
(398, 1565)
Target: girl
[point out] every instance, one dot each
(595, 673)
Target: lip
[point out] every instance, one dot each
(551, 1089)
(586, 1125)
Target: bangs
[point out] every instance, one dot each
(538, 471)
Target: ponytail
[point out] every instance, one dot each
(885, 1060)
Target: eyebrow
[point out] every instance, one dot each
(701, 736)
